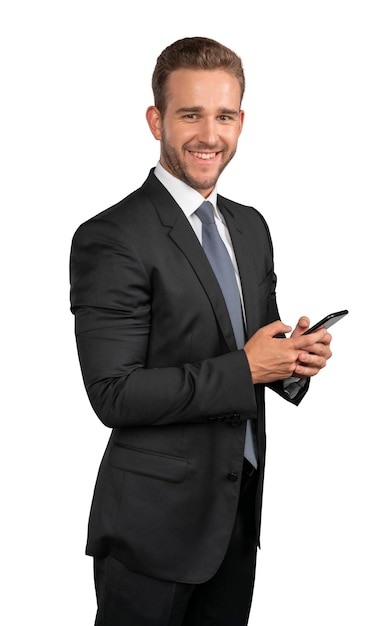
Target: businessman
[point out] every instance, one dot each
(178, 335)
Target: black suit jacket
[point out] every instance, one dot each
(161, 369)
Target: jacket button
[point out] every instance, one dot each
(232, 477)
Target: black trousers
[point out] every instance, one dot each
(127, 598)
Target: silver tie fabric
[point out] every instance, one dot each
(222, 266)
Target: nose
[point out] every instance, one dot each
(208, 132)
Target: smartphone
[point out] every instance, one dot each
(327, 321)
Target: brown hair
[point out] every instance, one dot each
(196, 53)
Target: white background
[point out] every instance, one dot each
(75, 79)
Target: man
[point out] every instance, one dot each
(175, 518)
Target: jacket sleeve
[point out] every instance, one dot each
(112, 303)
(291, 389)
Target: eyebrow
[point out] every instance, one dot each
(198, 109)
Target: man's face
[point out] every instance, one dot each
(201, 126)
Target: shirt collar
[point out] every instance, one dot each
(186, 197)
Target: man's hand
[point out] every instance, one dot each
(271, 358)
(301, 327)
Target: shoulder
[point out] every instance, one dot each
(129, 214)
(244, 215)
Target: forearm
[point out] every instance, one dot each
(219, 388)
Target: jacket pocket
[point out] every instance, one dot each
(164, 467)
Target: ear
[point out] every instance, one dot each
(241, 117)
(153, 117)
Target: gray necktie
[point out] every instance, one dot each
(222, 266)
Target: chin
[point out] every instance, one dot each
(204, 182)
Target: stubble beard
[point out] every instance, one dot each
(181, 171)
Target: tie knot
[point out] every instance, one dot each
(205, 212)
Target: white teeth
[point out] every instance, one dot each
(204, 155)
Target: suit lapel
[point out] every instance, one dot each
(184, 237)
(182, 234)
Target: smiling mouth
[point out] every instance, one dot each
(206, 156)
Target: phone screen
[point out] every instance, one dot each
(327, 321)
